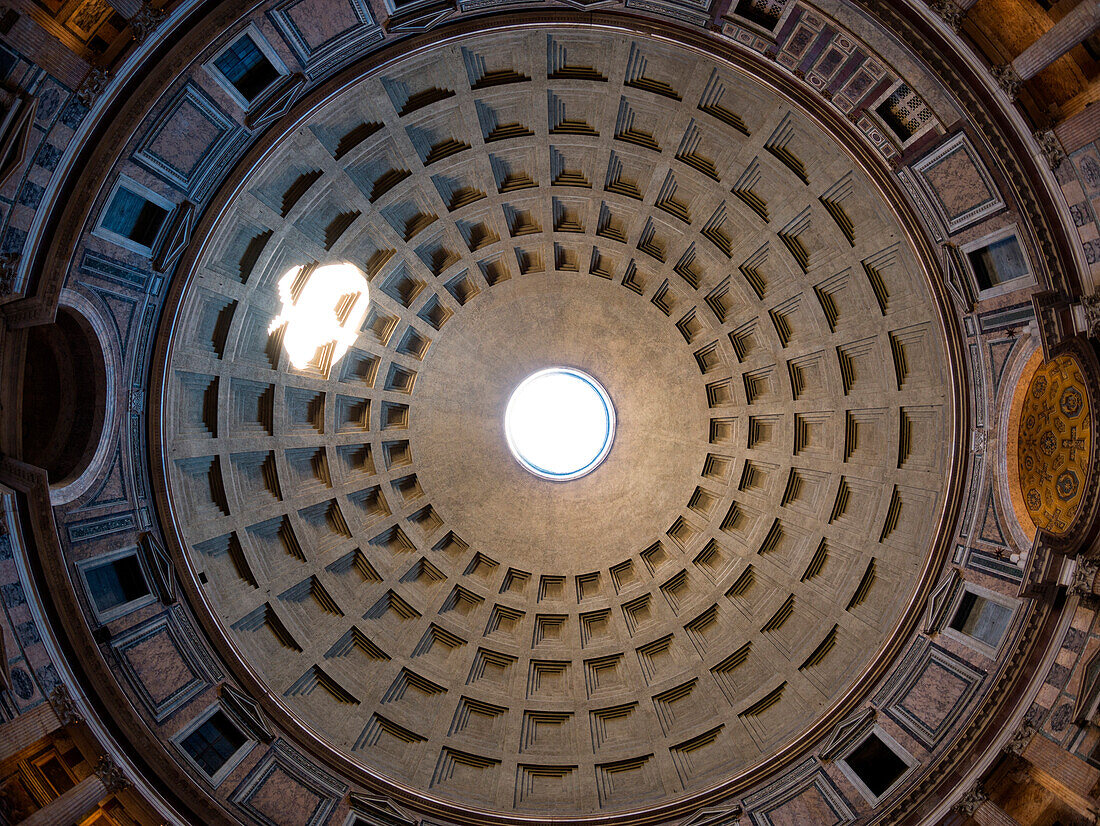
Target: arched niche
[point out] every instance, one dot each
(1024, 361)
(68, 401)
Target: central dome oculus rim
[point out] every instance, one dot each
(559, 423)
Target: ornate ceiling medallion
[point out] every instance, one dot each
(1056, 447)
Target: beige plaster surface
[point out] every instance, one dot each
(661, 438)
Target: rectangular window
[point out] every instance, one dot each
(904, 112)
(134, 217)
(981, 619)
(1092, 46)
(8, 59)
(247, 68)
(998, 262)
(876, 764)
(116, 583)
(1094, 755)
(213, 743)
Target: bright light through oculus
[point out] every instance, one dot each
(560, 423)
(323, 308)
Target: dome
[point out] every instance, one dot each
(783, 403)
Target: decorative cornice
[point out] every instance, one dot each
(175, 238)
(276, 102)
(847, 732)
(247, 711)
(936, 614)
(160, 567)
(381, 809)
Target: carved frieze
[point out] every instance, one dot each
(64, 706)
(1007, 78)
(111, 775)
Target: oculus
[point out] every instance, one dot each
(559, 423)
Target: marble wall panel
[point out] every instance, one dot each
(960, 187)
(163, 662)
(190, 142)
(326, 33)
(285, 789)
(929, 693)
